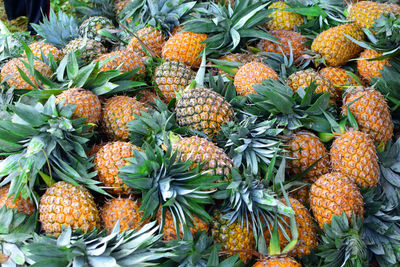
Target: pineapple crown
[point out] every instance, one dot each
(44, 140)
(293, 110)
(230, 28)
(168, 183)
(98, 249)
(58, 29)
(11, 43)
(92, 8)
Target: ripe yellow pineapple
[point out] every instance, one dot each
(371, 112)
(65, 204)
(354, 154)
(307, 239)
(338, 77)
(172, 77)
(126, 210)
(240, 57)
(185, 47)
(87, 103)
(119, 5)
(127, 59)
(146, 97)
(333, 194)
(364, 13)
(203, 110)
(233, 236)
(251, 74)
(277, 261)
(283, 20)
(21, 204)
(151, 37)
(10, 68)
(335, 47)
(290, 40)
(107, 162)
(38, 47)
(117, 111)
(200, 150)
(303, 79)
(371, 69)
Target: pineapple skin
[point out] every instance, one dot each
(371, 69)
(335, 47)
(151, 37)
(117, 111)
(124, 209)
(233, 237)
(296, 40)
(91, 25)
(371, 112)
(87, 103)
(200, 150)
(277, 261)
(171, 77)
(90, 48)
(283, 20)
(22, 205)
(354, 154)
(64, 204)
(250, 74)
(364, 13)
(203, 110)
(38, 47)
(107, 162)
(185, 47)
(127, 59)
(338, 77)
(10, 68)
(332, 194)
(307, 239)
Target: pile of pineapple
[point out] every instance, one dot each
(202, 133)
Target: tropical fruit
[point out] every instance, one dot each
(117, 111)
(172, 77)
(364, 13)
(354, 154)
(146, 97)
(87, 103)
(90, 27)
(151, 37)
(283, 20)
(370, 69)
(21, 204)
(107, 162)
(277, 261)
(185, 47)
(126, 60)
(65, 204)
(203, 110)
(334, 47)
(251, 74)
(90, 49)
(40, 47)
(291, 42)
(126, 210)
(332, 194)
(371, 112)
(16, 80)
(339, 78)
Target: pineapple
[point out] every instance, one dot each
(22, 205)
(335, 47)
(107, 162)
(200, 150)
(128, 61)
(307, 239)
(65, 204)
(290, 42)
(126, 210)
(283, 20)
(151, 37)
(333, 194)
(185, 47)
(371, 112)
(338, 77)
(92, 25)
(87, 103)
(11, 68)
(146, 97)
(233, 236)
(40, 47)
(354, 155)
(240, 58)
(94, 149)
(277, 261)
(364, 13)
(117, 111)
(251, 74)
(90, 48)
(203, 110)
(172, 77)
(370, 69)
(119, 5)
(303, 79)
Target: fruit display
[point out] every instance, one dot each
(202, 133)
